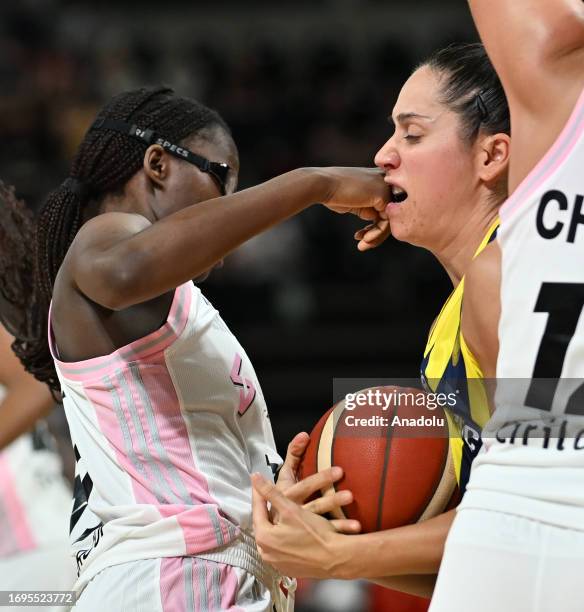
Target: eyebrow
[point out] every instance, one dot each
(403, 117)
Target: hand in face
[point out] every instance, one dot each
(373, 235)
(360, 191)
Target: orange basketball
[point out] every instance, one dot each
(393, 445)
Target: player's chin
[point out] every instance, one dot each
(400, 230)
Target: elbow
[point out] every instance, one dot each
(566, 36)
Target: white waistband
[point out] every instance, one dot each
(243, 553)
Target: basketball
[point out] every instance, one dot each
(393, 445)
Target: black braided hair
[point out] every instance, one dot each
(16, 264)
(103, 164)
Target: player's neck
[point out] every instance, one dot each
(457, 252)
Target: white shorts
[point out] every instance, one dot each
(174, 584)
(496, 562)
(45, 569)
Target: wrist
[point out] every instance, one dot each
(345, 557)
(320, 184)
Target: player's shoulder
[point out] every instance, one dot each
(481, 306)
(110, 226)
(482, 284)
(97, 236)
(484, 268)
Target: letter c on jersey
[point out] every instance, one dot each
(550, 232)
(545, 231)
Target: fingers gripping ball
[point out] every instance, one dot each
(397, 461)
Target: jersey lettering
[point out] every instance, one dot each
(547, 222)
(471, 437)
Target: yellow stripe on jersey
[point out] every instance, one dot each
(449, 365)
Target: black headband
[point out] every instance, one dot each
(147, 136)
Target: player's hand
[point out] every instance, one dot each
(300, 491)
(373, 235)
(288, 474)
(301, 544)
(361, 191)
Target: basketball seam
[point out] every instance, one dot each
(341, 512)
(384, 471)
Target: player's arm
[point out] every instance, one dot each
(26, 399)
(118, 260)
(481, 308)
(420, 585)
(404, 555)
(527, 40)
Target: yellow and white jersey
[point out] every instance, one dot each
(450, 367)
(534, 444)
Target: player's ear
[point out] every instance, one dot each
(156, 165)
(493, 157)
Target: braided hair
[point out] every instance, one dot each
(103, 164)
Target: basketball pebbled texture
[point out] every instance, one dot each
(398, 475)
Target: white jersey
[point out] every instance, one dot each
(35, 500)
(533, 462)
(166, 433)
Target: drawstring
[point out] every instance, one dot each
(283, 593)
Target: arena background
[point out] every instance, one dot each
(300, 83)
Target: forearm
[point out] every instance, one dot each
(413, 549)
(187, 243)
(421, 585)
(527, 35)
(20, 410)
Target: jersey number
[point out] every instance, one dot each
(247, 390)
(563, 302)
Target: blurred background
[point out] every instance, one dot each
(300, 83)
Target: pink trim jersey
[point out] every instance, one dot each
(34, 497)
(166, 432)
(534, 459)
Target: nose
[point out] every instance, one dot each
(387, 158)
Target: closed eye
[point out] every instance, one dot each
(411, 138)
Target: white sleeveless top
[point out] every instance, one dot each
(35, 500)
(533, 462)
(166, 432)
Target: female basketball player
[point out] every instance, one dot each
(34, 498)
(165, 411)
(518, 539)
(446, 164)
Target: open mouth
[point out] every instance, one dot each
(398, 195)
